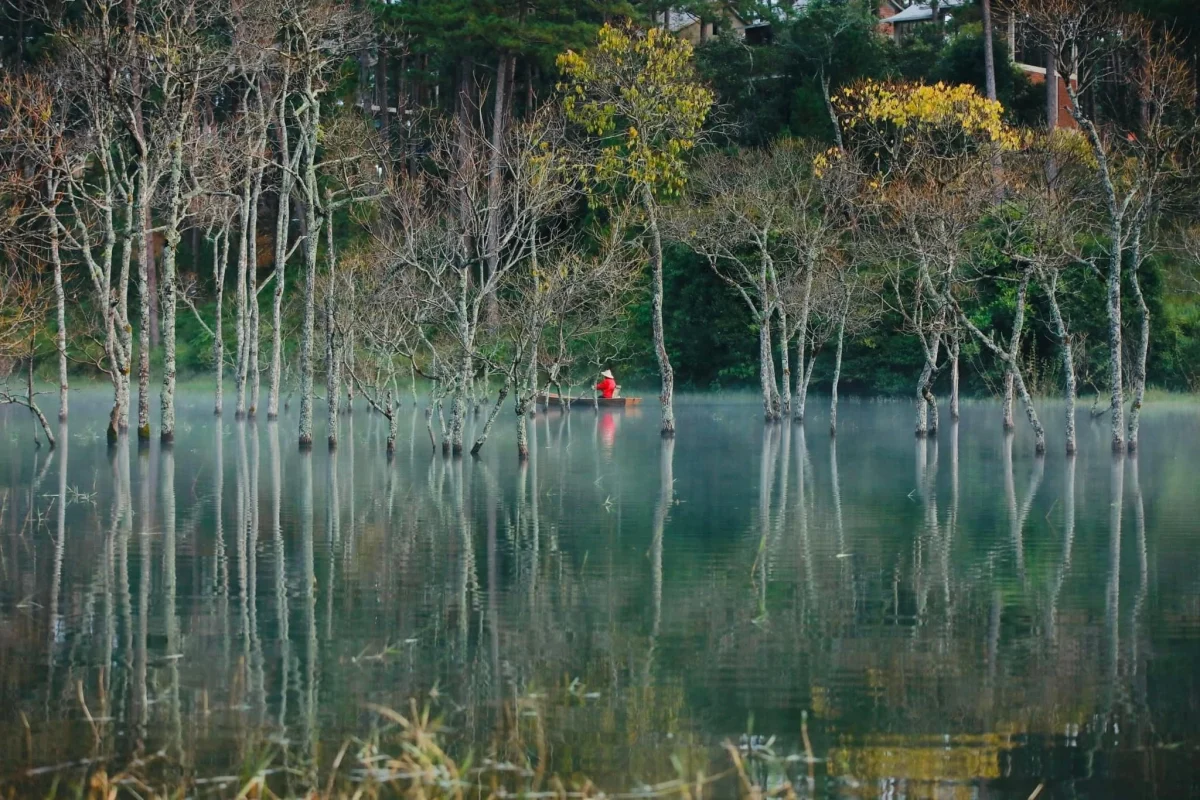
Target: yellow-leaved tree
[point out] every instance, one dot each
(927, 156)
(637, 96)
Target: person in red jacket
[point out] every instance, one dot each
(607, 385)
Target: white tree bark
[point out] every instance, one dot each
(766, 370)
(1142, 353)
(785, 367)
(1009, 360)
(283, 219)
(253, 335)
(61, 307)
(220, 245)
(801, 397)
(313, 223)
(837, 365)
(1116, 220)
(666, 373)
(333, 367)
(171, 239)
(954, 378)
(240, 300)
(1068, 359)
(145, 190)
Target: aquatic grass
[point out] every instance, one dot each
(408, 757)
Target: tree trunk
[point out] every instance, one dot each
(1009, 359)
(833, 118)
(240, 300)
(1115, 377)
(310, 131)
(1039, 433)
(61, 304)
(989, 50)
(1051, 90)
(785, 367)
(1007, 403)
(283, 218)
(171, 241)
(392, 424)
(1141, 355)
(800, 399)
(666, 373)
(766, 371)
(31, 402)
(837, 368)
(523, 430)
(922, 425)
(333, 388)
(381, 91)
(496, 177)
(253, 373)
(145, 256)
(954, 394)
(220, 245)
(487, 426)
(1068, 359)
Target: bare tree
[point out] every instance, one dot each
(214, 165)
(318, 35)
(33, 157)
(433, 221)
(1130, 169)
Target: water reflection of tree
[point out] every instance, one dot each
(443, 573)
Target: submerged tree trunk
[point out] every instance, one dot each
(1010, 362)
(785, 366)
(171, 239)
(487, 426)
(1140, 356)
(392, 425)
(253, 373)
(766, 370)
(1115, 376)
(31, 401)
(954, 393)
(1116, 220)
(61, 307)
(837, 367)
(283, 217)
(1007, 406)
(800, 399)
(333, 360)
(145, 255)
(220, 245)
(1068, 359)
(924, 392)
(666, 373)
(310, 130)
(245, 237)
(333, 388)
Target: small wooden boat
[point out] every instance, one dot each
(558, 401)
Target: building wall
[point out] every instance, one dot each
(1037, 76)
(886, 12)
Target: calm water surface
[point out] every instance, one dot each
(951, 618)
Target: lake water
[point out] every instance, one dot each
(881, 617)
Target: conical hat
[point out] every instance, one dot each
(606, 374)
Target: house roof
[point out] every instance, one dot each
(921, 12)
(678, 20)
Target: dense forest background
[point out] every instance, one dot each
(424, 52)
